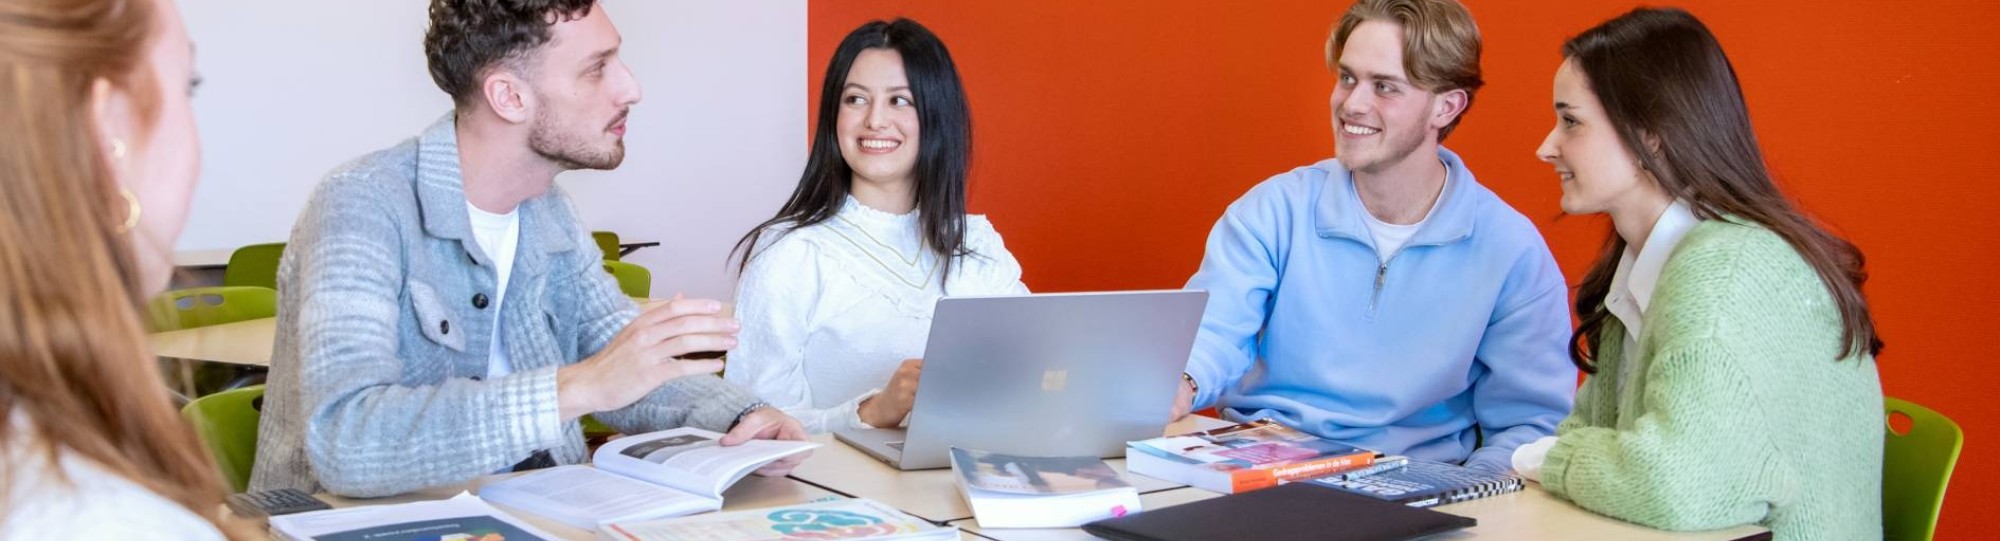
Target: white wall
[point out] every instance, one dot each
(292, 89)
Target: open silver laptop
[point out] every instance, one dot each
(1065, 374)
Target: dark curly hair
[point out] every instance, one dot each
(467, 37)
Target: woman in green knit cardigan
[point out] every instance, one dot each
(1731, 350)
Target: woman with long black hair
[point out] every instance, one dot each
(836, 291)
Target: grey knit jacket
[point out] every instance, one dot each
(378, 381)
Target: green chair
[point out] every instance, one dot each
(594, 429)
(635, 280)
(204, 306)
(201, 307)
(226, 422)
(608, 242)
(1916, 466)
(254, 265)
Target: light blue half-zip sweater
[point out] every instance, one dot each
(1461, 332)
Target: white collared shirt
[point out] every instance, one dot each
(1638, 273)
(1631, 294)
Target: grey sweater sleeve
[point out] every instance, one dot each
(701, 401)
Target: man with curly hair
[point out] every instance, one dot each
(444, 314)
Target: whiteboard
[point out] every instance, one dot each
(292, 89)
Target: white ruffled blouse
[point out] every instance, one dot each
(830, 310)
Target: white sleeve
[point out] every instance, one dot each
(998, 272)
(1528, 458)
(777, 300)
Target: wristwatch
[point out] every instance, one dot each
(1192, 386)
(746, 413)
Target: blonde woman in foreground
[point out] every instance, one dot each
(98, 159)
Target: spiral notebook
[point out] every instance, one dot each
(1424, 483)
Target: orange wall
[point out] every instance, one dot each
(1110, 135)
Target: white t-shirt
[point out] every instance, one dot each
(87, 503)
(1392, 237)
(497, 235)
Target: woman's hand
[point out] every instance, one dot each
(888, 408)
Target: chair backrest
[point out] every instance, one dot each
(254, 265)
(1916, 466)
(226, 422)
(608, 242)
(204, 306)
(633, 279)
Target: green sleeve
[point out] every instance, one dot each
(1696, 459)
(1597, 398)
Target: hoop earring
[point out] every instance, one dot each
(132, 211)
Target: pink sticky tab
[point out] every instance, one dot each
(1117, 511)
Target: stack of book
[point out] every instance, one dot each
(1007, 491)
(1243, 457)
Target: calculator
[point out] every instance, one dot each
(271, 503)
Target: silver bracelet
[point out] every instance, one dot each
(746, 413)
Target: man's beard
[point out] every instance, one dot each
(568, 151)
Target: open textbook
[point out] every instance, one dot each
(462, 517)
(657, 474)
(858, 520)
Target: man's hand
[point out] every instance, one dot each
(888, 408)
(767, 423)
(642, 357)
(1183, 401)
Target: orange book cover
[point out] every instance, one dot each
(1256, 454)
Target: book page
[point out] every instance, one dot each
(838, 519)
(585, 497)
(1189, 447)
(691, 459)
(461, 517)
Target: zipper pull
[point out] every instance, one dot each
(1381, 276)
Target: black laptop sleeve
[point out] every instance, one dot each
(1291, 511)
